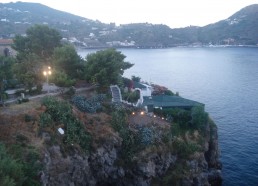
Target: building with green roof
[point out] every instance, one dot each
(165, 101)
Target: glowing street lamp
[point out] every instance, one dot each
(47, 73)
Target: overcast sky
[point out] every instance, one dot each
(174, 13)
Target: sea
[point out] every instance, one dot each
(225, 79)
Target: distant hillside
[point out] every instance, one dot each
(239, 29)
(17, 17)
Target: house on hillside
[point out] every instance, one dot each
(144, 90)
(6, 42)
(165, 101)
(5, 47)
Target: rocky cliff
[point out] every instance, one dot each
(152, 166)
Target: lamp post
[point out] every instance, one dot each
(47, 73)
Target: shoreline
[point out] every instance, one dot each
(176, 46)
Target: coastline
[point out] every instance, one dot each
(158, 47)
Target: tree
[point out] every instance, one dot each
(61, 79)
(6, 64)
(34, 52)
(40, 40)
(66, 59)
(106, 67)
(29, 70)
(136, 78)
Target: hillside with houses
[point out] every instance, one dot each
(238, 29)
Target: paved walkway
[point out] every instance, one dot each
(53, 91)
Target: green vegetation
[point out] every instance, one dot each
(90, 105)
(6, 64)
(135, 139)
(175, 174)
(184, 149)
(60, 112)
(19, 165)
(67, 61)
(131, 96)
(140, 137)
(40, 41)
(146, 135)
(136, 78)
(41, 48)
(33, 53)
(129, 145)
(61, 79)
(195, 119)
(105, 67)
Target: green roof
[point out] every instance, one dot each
(169, 101)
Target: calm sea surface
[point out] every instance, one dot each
(226, 81)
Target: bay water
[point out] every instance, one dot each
(226, 81)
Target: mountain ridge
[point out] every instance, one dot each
(238, 29)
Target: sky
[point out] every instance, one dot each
(174, 13)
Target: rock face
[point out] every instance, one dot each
(212, 156)
(103, 166)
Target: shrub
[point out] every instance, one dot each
(130, 143)
(24, 100)
(118, 121)
(184, 149)
(19, 166)
(76, 134)
(90, 105)
(169, 93)
(196, 118)
(175, 174)
(176, 130)
(61, 79)
(60, 111)
(199, 117)
(180, 116)
(45, 120)
(70, 92)
(131, 96)
(145, 135)
(28, 118)
(29, 159)
(22, 139)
